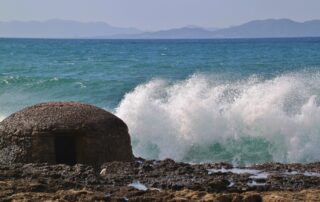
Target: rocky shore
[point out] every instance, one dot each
(167, 180)
(38, 143)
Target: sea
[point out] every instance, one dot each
(242, 101)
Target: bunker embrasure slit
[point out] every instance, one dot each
(65, 149)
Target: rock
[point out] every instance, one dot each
(218, 185)
(41, 182)
(252, 198)
(224, 198)
(64, 132)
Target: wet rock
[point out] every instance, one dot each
(39, 182)
(218, 185)
(147, 168)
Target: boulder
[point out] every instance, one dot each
(64, 132)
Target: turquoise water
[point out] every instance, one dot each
(242, 101)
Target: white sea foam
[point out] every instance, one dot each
(167, 119)
(138, 185)
(2, 117)
(255, 184)
(235, 171)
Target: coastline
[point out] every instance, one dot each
(275, 109)
(166, 180)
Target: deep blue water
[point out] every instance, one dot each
(203, 94)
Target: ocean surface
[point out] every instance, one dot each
(241, 101)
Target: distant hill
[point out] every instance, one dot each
(270, 28)
(179, 33)
(60, 29)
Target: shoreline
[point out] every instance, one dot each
(165, 180)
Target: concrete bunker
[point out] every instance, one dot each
(64, 133)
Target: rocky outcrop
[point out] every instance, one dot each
(166, 180)
(64, 132)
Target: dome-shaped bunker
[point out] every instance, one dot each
(64, 132)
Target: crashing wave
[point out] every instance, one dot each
(204, 118)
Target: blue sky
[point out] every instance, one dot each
(160, 14)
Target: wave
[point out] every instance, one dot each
(211, 118)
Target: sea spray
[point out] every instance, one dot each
(204, 118)
(216, 117)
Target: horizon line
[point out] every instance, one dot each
(143, 30)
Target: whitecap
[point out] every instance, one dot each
(2, 117)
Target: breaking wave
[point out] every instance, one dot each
(210, 118)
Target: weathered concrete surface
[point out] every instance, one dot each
(97, 136)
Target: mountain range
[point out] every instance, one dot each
(60, 29)
(270, 28)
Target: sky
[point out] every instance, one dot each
(160, 14)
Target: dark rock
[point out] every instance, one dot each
(252, 198)
(224, 198)
(147, 168)
(40, 182)
(64, 132)
(219, 184)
